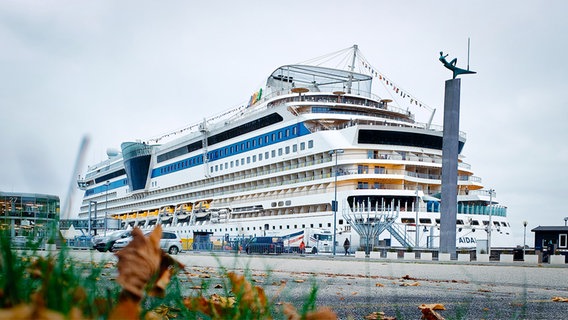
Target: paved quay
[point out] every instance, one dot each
(356, 287)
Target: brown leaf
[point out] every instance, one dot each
(429, 314)
(128, 307)
(378, 315)
(433, 306)
(139, 261)
(559, 299)
(407, 277)
(413, 284)
(30, 311)
(290, 312)
(323, 313)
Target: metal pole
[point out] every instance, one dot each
(524, 239)
(106, 207)
(417, 243)
(489, 227)
(334, 206)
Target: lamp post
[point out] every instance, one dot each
(525, 238)
(565, 221)
(106, 206)
(489, 227)
(417, 241)
(334, 204)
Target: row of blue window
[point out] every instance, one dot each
(273, 137)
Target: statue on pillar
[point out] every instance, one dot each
(452, 66)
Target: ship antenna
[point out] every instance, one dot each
(431, 118)
(467, 53)
(352, 68)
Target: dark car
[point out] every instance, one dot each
(104, 243)
(265, 245)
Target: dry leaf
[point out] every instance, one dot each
(290, 312)
(413, 284)
(253, 297)
(433, 306)
(30, 311)
(429, 314)
(559, 299)
(139, 261)
(320, 314)
(323, 313)
(378, 315)
(128, 308)
(407, 277)
(379, 284)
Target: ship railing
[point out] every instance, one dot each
(354, 122)
(367, 99)
(372, 154)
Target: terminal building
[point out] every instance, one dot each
(28, 214)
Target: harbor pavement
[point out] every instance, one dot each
(355, 288)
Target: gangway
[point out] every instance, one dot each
(370, 222)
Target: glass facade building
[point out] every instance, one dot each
(28, 214)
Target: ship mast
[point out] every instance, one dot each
(352, 68)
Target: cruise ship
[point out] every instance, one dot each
(312, 149)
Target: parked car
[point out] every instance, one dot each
(170, 242)
(265, 245)
(104, 243)
(19, 241)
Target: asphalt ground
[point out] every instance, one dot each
(355, 288)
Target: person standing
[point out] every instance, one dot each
(346, 246)
(302, 247)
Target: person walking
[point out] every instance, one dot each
(346, 246)
(302, 247)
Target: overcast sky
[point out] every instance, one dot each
(125, 70)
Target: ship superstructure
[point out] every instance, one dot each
(312, 136)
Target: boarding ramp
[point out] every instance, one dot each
(370, 221)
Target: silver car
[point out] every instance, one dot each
(19, 241)
(103, 243)
(170, 242)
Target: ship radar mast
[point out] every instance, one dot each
(352, 68)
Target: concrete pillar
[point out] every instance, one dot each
(450, 150)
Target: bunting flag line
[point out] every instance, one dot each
(397, 90)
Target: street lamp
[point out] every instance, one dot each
(525, 237)
(489, 227)
(334, 204)
(106, 206)
(565, 221)
(417, 241)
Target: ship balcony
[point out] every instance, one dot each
(409, 156)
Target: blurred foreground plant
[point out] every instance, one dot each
(50, 285)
